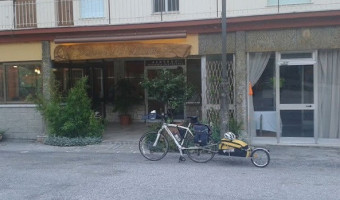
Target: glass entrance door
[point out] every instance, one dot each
(154, 104)
(96, 89)
(296, 99)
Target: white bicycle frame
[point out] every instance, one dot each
(166, 126)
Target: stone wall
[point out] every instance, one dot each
(280, 40)
(297, 39)
(21, 122)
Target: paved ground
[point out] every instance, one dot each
(115, 169)
(116, 139)
(124, 139)
(30, 170)
(115, 132)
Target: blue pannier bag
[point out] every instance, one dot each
(202, 133)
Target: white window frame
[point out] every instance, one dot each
(279, 107)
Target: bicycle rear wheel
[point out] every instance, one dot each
(200, 154)
(260, 157)
(151, 149)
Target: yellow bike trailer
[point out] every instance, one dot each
(230, 146)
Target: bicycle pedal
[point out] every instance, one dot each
(181, 158)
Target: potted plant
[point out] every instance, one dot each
(169, 88)
(125, 98)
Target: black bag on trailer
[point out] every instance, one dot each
(202, 133)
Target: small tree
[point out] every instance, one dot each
(169, 88)
(72, 118)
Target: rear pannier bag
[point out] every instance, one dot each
(202, 133)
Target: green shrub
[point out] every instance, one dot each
(79, 141)
(155, 126)
(2, 131)
(216, 135)
(72, 118)
(235, 126)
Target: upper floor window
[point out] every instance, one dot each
(165, 5)
(25, 13)
(65, 12)
(18, 81)
(92, 8)
(286, 2)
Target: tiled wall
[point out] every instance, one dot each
(21, 122)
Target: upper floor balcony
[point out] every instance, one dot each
(26, 14)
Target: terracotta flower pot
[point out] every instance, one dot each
(125, 120)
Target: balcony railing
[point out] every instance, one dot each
(64, 12)
(25, 14)
(22, 14)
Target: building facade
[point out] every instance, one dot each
(283, 59)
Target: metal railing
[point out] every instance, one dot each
(64, 12)
(25, 14)
(53, 13)
(213, 87)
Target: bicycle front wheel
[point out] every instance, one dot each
(260, 157)
(200, 154)
(152, 149)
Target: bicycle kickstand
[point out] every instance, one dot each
(181, 158)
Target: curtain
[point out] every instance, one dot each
(257, 64)
(329, 93)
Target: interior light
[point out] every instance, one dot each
(37, 71)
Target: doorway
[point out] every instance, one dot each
(295, 81)
(151, 68)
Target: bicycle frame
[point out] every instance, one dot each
(165, 126)
(198, 151)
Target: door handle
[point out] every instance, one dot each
(309, 106)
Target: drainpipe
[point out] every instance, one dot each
(217, 8)
(14, 14)
(162, 11)
(108, 2)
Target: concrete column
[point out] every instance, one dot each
(46, 68)
(241, 79)
(204, 87)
